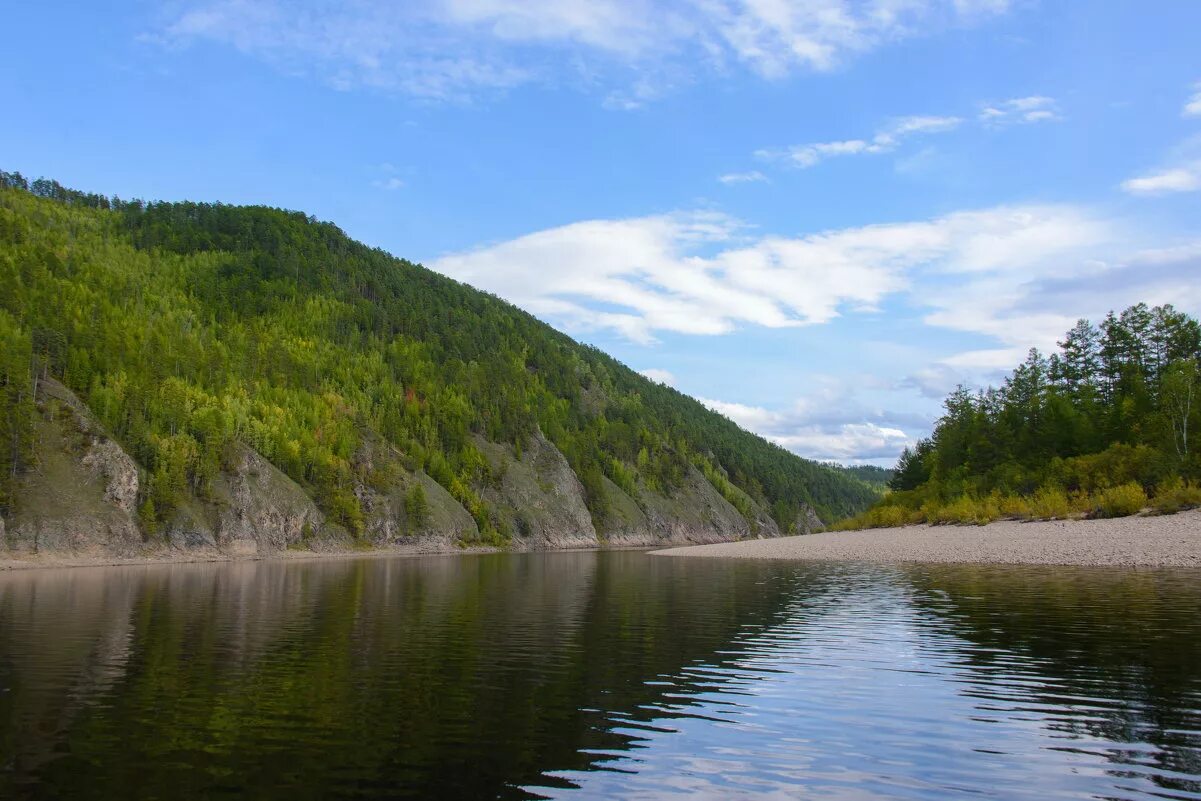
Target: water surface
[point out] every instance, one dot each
(581, 675)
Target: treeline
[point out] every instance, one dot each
(191, 327)
(1105, 426)
(878, 478)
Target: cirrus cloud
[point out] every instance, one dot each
(1192, 107)
(703, 273)
(1181, 172)
(884, 141)
(754, 176)
(1185, 178)
(455, 49)
(1020, 110)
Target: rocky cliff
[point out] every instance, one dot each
(81, 494)
(81, 498)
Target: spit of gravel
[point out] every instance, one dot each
(1143, 541)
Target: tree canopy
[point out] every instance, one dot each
(1118, 406)
(190, 327)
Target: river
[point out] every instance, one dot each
(598, 675)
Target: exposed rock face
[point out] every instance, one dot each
(383, 492)
(625, 523)
(261, 510)
(538, 496)
(82, 493)
(117, 470)
(192, 527)
(694, 513)
(808, 522)
(446, 521)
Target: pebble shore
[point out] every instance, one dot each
(1143, 541)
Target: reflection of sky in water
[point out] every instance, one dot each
(866, 695)
(618, 674)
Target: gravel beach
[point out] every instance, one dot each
(1161, 541)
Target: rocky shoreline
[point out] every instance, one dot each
(79, 505)
(1141, 541)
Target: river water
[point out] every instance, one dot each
(598, 675)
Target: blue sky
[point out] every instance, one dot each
(816, 215)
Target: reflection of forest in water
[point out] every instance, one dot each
(1109, 660)
(432, 677)
(477, 676)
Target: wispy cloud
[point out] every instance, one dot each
(1020, 111)
(1003, 278)
(883, 141)
(390, 184)
(699, 273)
(754, 176)
(1180, 172)
(1185, 178)
(454, 49)
(389, 180)
(828, 425)
(774, 37)
(890, 138)
(1192, 108)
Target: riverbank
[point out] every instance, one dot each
(183, 557)
(1153, 541)
(188, 557)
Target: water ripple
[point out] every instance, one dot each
(613, 675)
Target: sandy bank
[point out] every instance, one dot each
(1165, 541)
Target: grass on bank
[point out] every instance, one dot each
(1049, 502)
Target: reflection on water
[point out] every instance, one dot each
(598, 675)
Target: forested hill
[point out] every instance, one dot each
(1107, 426)
(200, 337)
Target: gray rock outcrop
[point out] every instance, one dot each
(261, 510)
(80, 495)
(538, 496)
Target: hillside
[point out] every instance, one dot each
(1105, 427)
(212, 376)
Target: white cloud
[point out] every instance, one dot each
(622, 27)
(1186, 178)
(826, 426)
(659, 376)
(451, 49)
(1181, 172)
(1001, 279)
(1192, 108)
(889, 138)
(699, 273)
(884, 141)
(390, 184)
(1023, 306)
(775, 37)
(1039, 307)
(993, 360)
(1020, 110)
(754, 176)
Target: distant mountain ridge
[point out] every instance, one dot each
(206, 376)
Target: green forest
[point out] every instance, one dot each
(1105, 427)
(188, 328)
